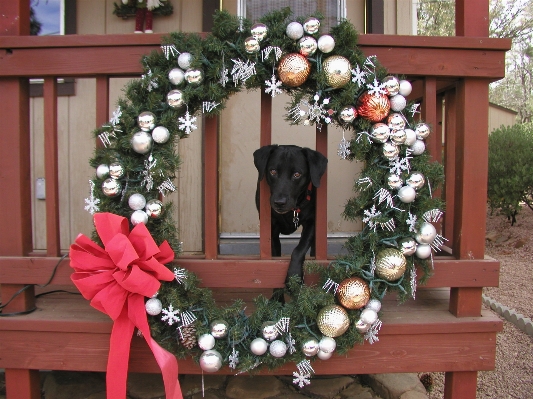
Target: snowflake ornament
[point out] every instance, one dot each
(273, 86)
(370, 215)
(376, 88)
(317, 111)
(92, 202)
(301, 379)
(115, 119)
(149, 82)
(399, 165)
(148, 180)
(291, 344)
(372, 334)
(233, 359)
(344, 148)
(187, 123)
(359, 76)
(170, 315)
(411, 222)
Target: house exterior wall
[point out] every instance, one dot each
(499, 116)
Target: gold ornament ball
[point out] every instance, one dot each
(353, 293)
(390, 264)
(338, 71)
(374, 107)
(293, 69)
(333, 321)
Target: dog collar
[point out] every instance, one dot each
(296, 211)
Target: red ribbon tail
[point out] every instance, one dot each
(119, 355)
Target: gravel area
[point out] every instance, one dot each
(513, 247)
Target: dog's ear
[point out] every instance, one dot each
(317, 165)
(261, 158)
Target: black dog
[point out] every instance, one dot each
(292, 173)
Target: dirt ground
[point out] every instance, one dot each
(513, 247)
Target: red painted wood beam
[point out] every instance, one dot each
(211, 187)
(265, 239)
(321, 219)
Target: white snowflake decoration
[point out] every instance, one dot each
(150, 83)
(344, 148)
(169, 50)
(273, 86)
(148, 180)
(242, 71)
(233, 359)
(372, 334)
(359, 76)
(376, 88)
(92, 202)
(399, 165)
(166, 187)
(301, 379)
(370, 215)
(170, 315)
(317, 111)
(224, 76)
(411, 222)
(115, 119)
(187, 123)
(291, 344)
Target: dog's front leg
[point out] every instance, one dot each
(298, 254)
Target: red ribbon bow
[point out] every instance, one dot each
(116, 279)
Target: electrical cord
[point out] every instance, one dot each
(3, 305)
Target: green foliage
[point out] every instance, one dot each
(510, 180)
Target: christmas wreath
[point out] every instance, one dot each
(329, 81)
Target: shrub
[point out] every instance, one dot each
(510, 179)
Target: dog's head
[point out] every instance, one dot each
(289, 170)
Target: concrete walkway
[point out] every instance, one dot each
(81, 385)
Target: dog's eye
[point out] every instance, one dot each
(297, 175)
(273, 172)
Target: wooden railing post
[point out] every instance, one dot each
(211, 187)
(265, 238)
(321, 220)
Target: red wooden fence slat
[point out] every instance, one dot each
(211, 187)
(265, 239)
(321, 218)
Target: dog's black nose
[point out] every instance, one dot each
(280, 201)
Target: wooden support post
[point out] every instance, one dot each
(265, 239)
(460, 385)
(53, 245)
(211, 187)
(321, 220)
(472, 18)
(102, 102)
(429, 115)
(23, 384)
(450, 129)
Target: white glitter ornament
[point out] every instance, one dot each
(426, 233)
(368, 316)
(310, 347)
(324, 355)
(136, 201)
(210, 361)
(397, 103)
(102, 171)
(295, 30)
(326, 43)
(405, 88)
(418, 147)
(138, 217)
(410, 137)
(258, 346)
(206, 342)
(327, 344)
(176, 76)
(423, 251)
(184, 60)
(407, 194)
(374, 304)
(278, 348)
(160, 134)
(153, 306)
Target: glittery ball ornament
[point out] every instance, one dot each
(307, 46)
(327, 344)
(295, 30)
(206, 342)
(154, 208)
(374, 304)
(326, 43)
(219, 328)
(418, 147)
(338, 71)
(160, 134)
(111, 187)
(258, 346)
(374, 107)
(353, 293)
(410, 137)
(405, 88)
(392, 85)
(210, 361)
(184, 60)
(251, 45)
(146, 121)
(278, 348)
(324, 355)
(153, 306)
(398, 103)
(259, 31)
(141, 142)
(390, 264)
(175, 98)
(194, 76)
(136, 201)
(407, 194)
(310, 347)
(369, 316)
(102, 171)
(138, 217)
(176, 76)
(333, 321)
(293, 69)
(311, 25)
(348, 114)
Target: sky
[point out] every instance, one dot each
(47, 12)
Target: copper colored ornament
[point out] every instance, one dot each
(353, 293)
(374, 107)
(333, 321)
(294, 69)
(390, 264)
(338, 71)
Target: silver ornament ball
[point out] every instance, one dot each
(423, 251)
(176, 76)
(407, 246)
(307, 46)
(324, 355)
(310, 347)
(278, 348)
(259, 31)
(210, 361)
(219, 328)
(160, 135)
(326, 43)
(153, 306)
(422, 131)
(141, 142)
(418, 147)
(184, 60)
(426, 233)
(361, 326)
(116, 170)
(258, 346)
(136, 201)
(327, 344)
(348, 114)
(206, 342)
(295, 30)
(311, 25)
(392, 85)
(416, 180)
(269, 331)
(390, 150)
(410, 137)
(368, 316)
(407, 194)
(194, 76)
(111, 187)
(154, 208)
(102, 171)
(374, 304)
(138, 217)
(175, 98)
(396, 121)
(380, 132)
(146, 121)
(405, 88)
(398, 136)
(251, 45)
(398, 103)
(394, 181)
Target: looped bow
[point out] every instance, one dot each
(116, 279)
